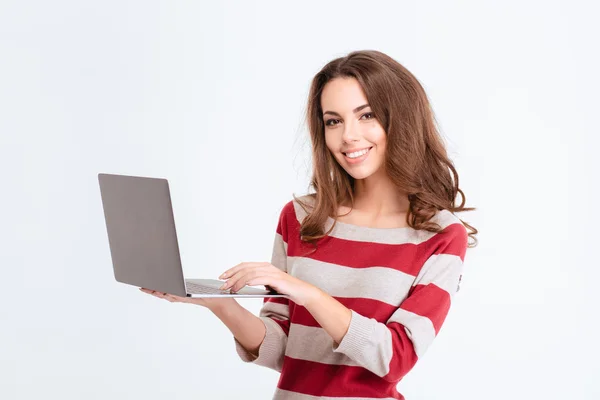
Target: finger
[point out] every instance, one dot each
(268, 282)
(161, 295)
(237, 279)
(239, 275)
(150, 292)
(165, 296)
(176, 299)
(232, 271)
(170, 298)
(264, 278)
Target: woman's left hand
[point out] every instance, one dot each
(262, 273)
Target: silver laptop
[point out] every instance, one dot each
(143, 240)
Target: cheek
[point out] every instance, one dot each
(331, 143)
(328, 141)
(381, 142)
(377, 136)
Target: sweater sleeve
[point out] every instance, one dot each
(391, 349)
(274, 312)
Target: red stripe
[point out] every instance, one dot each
(406, 257)
(373, 308)
(284, 324)
(318, 379)
(429, 301)
(278, 300)
(404, 357)
(452, 240)
(287, 219)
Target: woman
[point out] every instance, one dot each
(371, 260)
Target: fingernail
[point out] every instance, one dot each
(223, 286)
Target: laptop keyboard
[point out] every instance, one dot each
(194, 288)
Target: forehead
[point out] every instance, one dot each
(342, 95)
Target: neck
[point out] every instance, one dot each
(378, 195)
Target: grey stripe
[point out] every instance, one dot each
(314, 344)
(379, 283)
(275, 310)
(273, 346)
(279, 256)
(443, 270)
(369, 343)
(379, 235)
(419, 329)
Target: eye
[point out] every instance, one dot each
(368, 115)
(332, 122)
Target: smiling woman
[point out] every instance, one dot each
(370, 261)
(369, 116)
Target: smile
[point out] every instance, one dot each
(357, 156)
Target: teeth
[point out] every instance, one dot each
(357, 154)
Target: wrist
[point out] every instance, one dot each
(221, 306)
(315, 295)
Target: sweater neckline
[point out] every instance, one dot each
(348, 226)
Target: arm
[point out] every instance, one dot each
(247, 329)
(261, 339)
(331, 315)
(266, 345)
(390, 350)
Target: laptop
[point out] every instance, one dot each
(143, 240)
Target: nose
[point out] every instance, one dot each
(350, 133)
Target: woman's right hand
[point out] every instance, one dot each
(211, 303)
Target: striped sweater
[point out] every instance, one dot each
(398, 283)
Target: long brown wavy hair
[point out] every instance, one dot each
(416, 159)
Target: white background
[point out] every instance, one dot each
(211, 95)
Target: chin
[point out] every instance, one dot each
(361, 171)
(360, 174)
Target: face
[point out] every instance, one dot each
(352, 132)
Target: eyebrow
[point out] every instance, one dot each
(357, 109)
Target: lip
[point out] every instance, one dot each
(359, 159)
